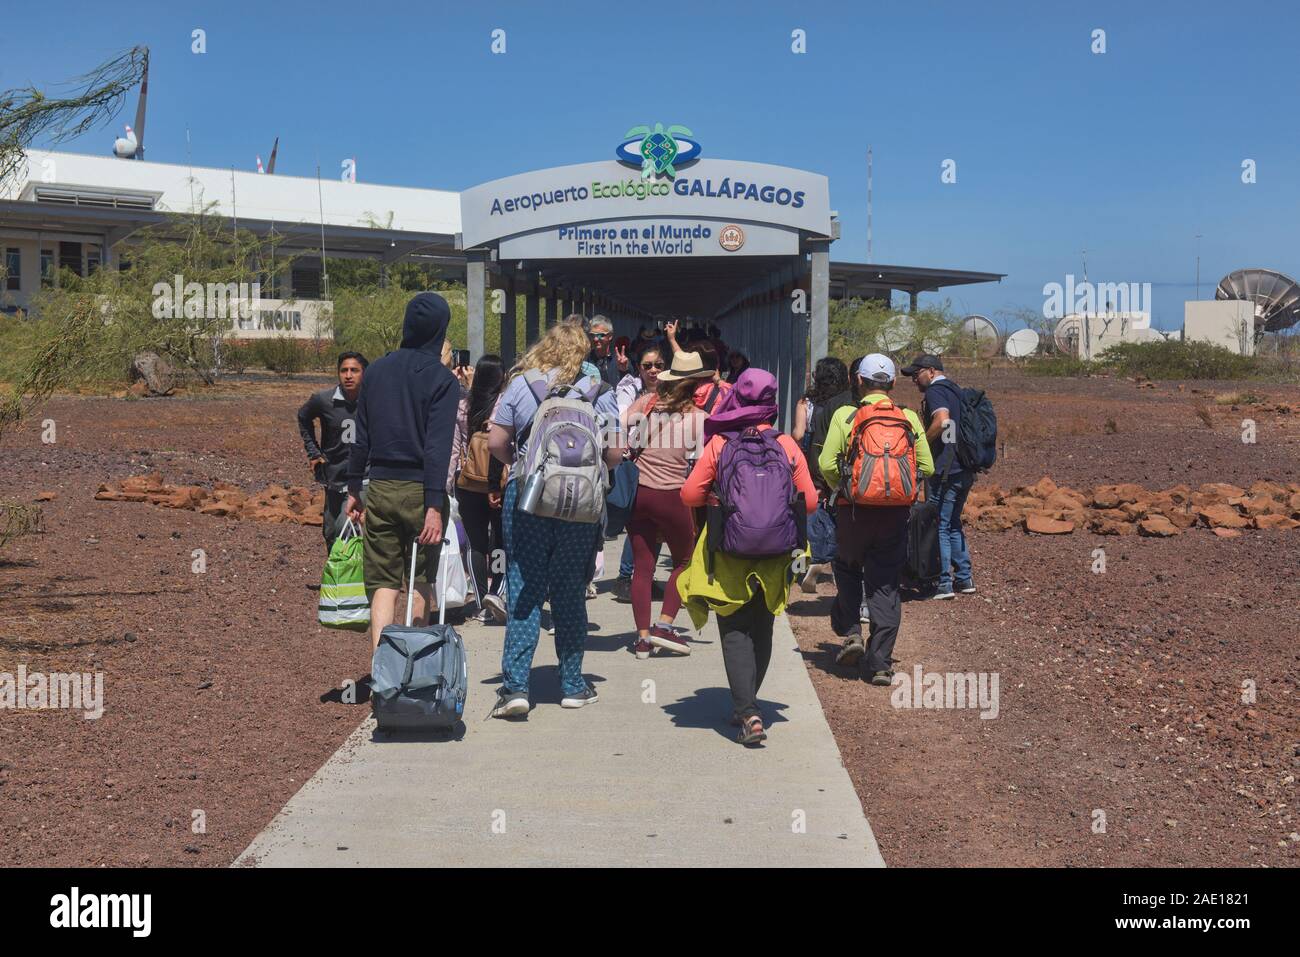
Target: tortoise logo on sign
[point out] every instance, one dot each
(656, 151)
(731, 238)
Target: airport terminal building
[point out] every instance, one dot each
(655, 230)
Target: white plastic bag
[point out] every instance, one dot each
(452, 584)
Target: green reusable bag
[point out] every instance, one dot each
(343, 602)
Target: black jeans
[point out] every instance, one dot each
(747, 651)
(332, 517)
(483, 529)
(872, 549)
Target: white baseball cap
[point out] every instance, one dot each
(877, 368)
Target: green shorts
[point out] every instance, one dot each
(394, 518)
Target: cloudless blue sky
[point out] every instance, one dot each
(1128, 154)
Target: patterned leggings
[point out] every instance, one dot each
(545, 558)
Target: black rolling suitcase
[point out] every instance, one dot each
(922, 567)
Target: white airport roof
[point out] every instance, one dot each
(286, 199)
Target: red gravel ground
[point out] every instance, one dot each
(1119, 692)
(211, 681)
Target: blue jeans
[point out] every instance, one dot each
(954, 557)
(545, 558)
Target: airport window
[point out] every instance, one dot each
(70, 258)
(13, 269)
(306, 284)
(92, 259)
(47, 267)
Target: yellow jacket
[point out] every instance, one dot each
(837, 437)
(732, 583)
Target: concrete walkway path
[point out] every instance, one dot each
(649, 775)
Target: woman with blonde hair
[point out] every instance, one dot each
(547, 558)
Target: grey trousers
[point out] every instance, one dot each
(746, 652)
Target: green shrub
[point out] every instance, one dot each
(279, 354)
(1176, 359)
(234, 357)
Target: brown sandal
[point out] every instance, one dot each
(751, 731)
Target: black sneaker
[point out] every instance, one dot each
(966, 587)
(510, 704)
(581, 699)
(622, 590)
(882, 678)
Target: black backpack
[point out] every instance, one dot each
(977, 432)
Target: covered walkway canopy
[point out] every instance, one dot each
(742, 245)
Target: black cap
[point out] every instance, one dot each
(922, 362)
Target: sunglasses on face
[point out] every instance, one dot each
(652, 365)
(601, 335)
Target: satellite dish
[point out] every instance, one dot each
(896, 333)
(1276, 297)
(1021, 343)
(125, 147)
(934, 343)
(1066, 335)
(978, 336)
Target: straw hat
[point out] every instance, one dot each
(686, 365)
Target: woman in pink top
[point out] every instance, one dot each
(666, 431)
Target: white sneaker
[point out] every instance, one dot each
(495, 606)
(581, 700)
(809, 583)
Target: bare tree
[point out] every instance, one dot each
(27, 114)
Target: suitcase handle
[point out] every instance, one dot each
(410, 582)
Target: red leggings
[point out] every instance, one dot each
(658, 516)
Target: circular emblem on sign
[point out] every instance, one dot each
(731, 238)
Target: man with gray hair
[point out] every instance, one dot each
(611, 367)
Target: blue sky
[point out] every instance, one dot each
(1128, 154)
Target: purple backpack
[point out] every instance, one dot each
(755, 487)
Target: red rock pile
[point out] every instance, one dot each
(1128, 509)
(275, 503)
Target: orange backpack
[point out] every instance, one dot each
(881, 449)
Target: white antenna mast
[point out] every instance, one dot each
(189, 156)
(234, 203)
(869, 204)
(324, 267)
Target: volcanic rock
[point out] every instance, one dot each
(155, 372)
(1157, 526)
(1041, 523)
(1222, 516)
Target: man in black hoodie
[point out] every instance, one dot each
(405, 423)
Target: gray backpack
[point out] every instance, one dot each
(419, 677)
(564, 452)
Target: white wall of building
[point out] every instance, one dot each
(1103, 330)
(1224, 322)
